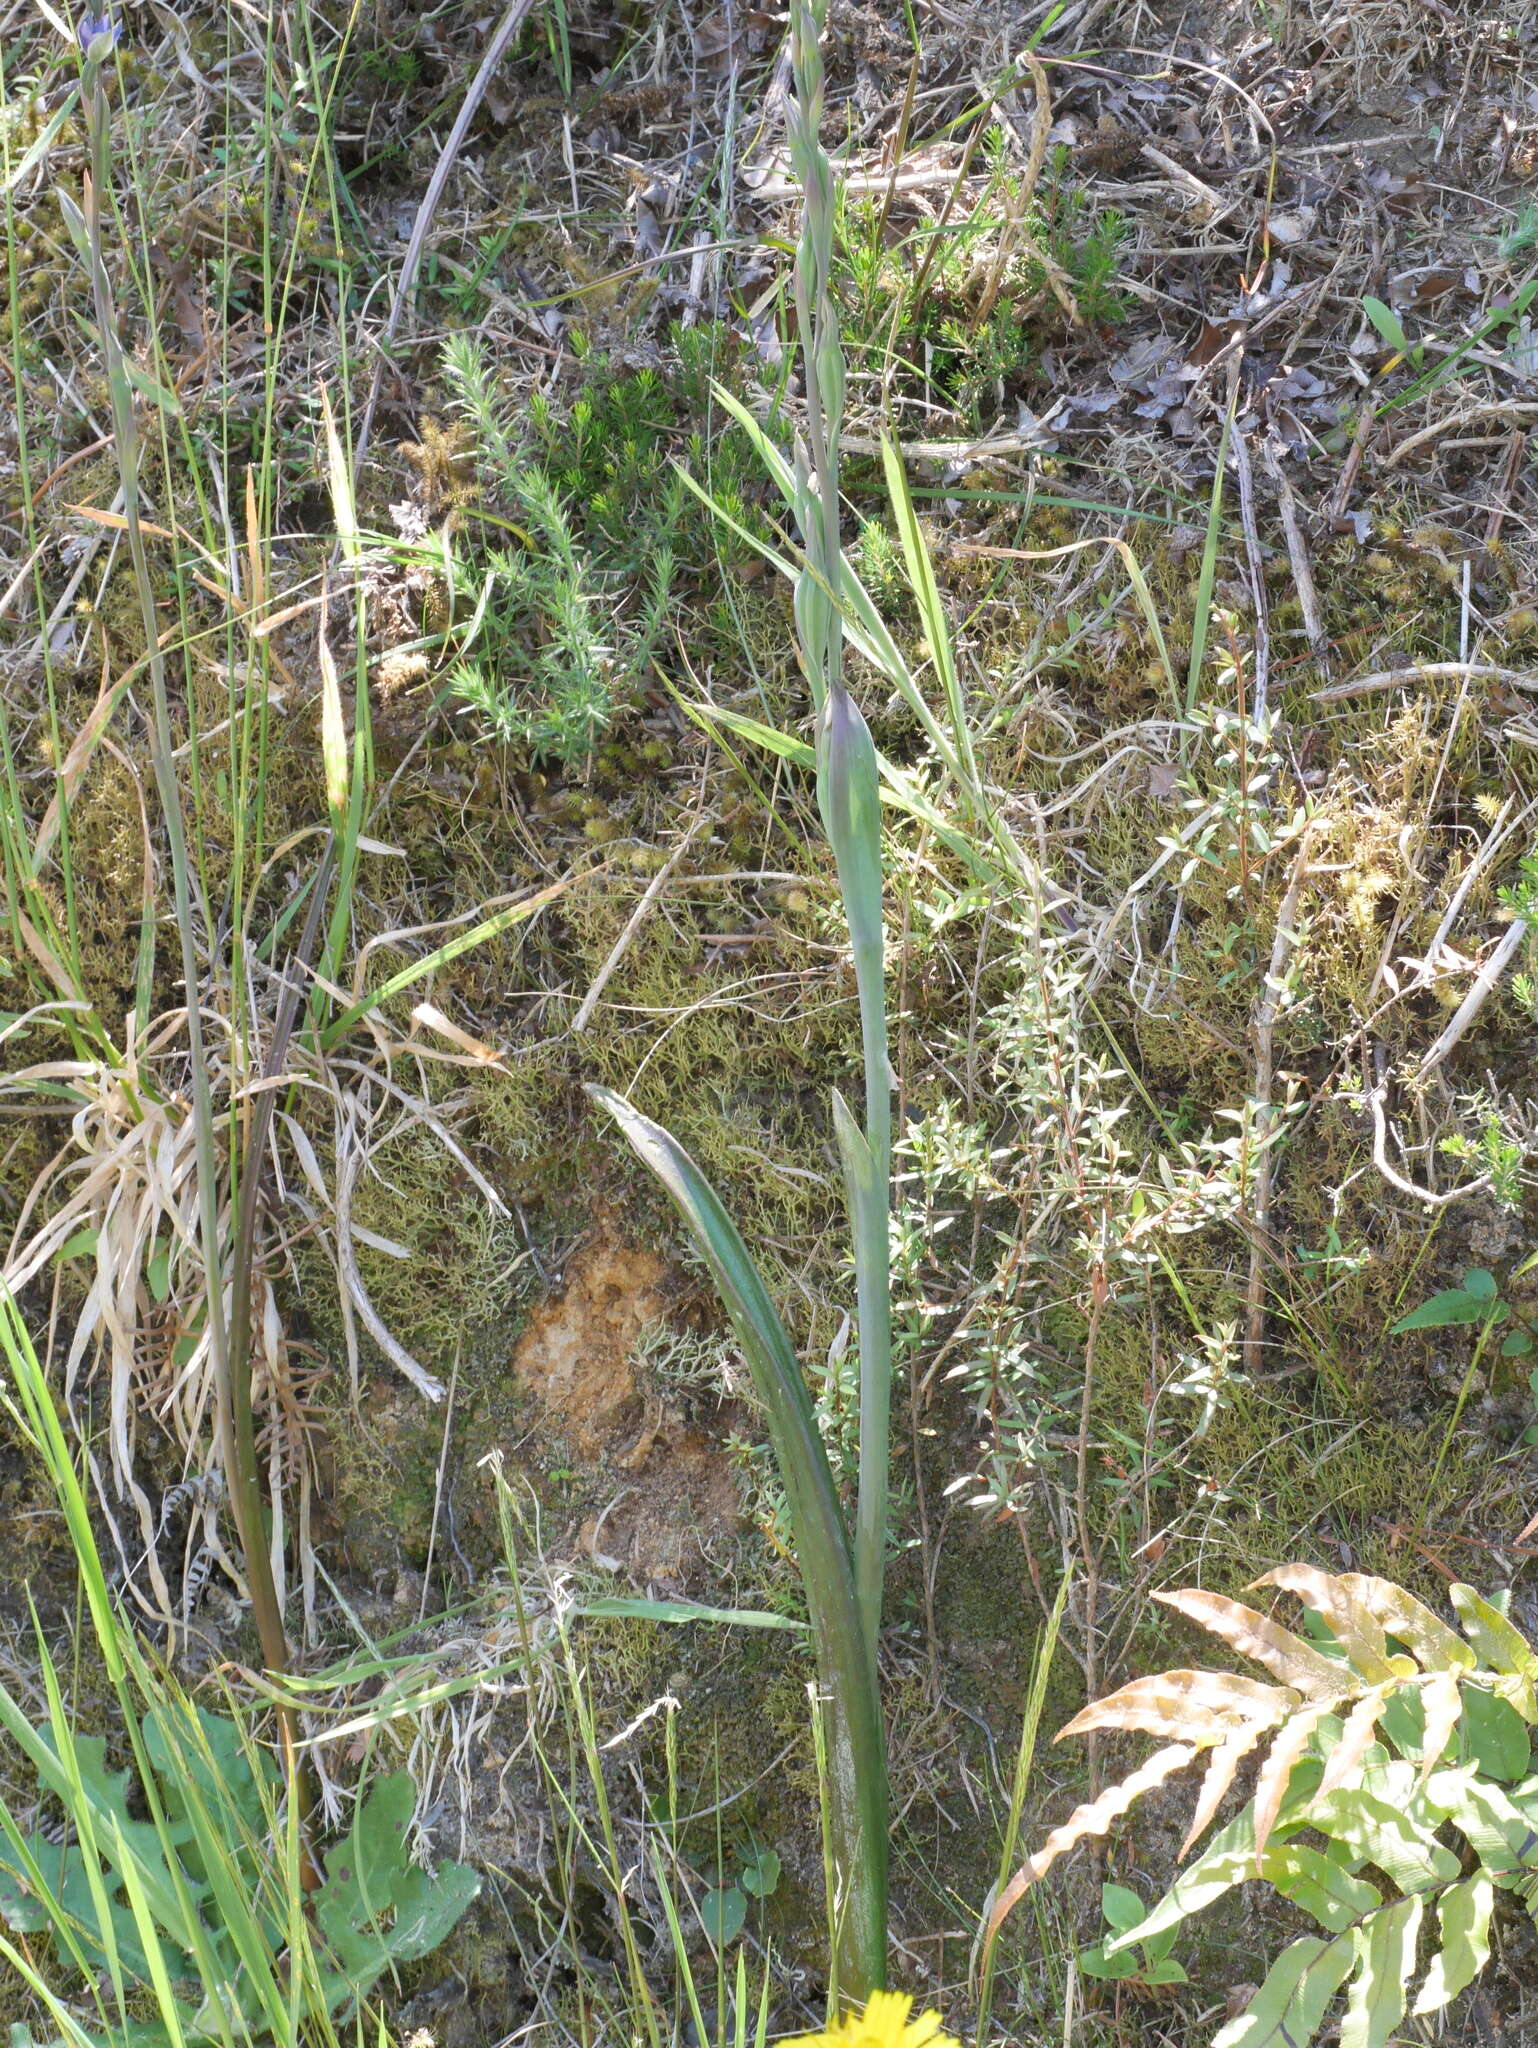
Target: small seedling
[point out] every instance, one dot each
(1145, 1962)
(724, 1911)
(1477, 1300)
(1391, 328)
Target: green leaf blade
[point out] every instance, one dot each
(1463, 1916)
(1385, 1964)
(1289, 2008)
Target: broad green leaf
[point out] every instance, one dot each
(1495, 1736)
(931, 606)
(1463, 1914)
(1377, 1833)
(1121, 1906)
(1499, 1831)
(827, 1570)
(723, 1914)
(377, 1906)
(333, 736)
(1441, 1707)
(1095, 1962)
(1478, 1282)
(1319, 1884)
(1502, 1646)
(339, 477)
(1453, 1305)
(1385, 1964)
(1517, 1345)
(864, 627)
(488, 928)
(1228, 1860)
(1165, 1971)
(157, 1272)
(769, 737)
(1404, 1722)
(74, 220)
(688, 1610)
(760, 1877)
(1387, 322)
(151, 388)
(18, 172)
(1289, 2008)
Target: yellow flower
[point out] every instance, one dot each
(883, 2024)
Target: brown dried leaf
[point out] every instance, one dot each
(1216, 335)
(1271, 1784)
(1355, 1738)
(1442, 1701)
(1186, 1706)
(1226, 1759)
(1434, 1643)
(1263, 1641)
(724, 38)
(1338, 1597)
(1091, 1819)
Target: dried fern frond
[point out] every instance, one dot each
(1263, 1641)
(1389, 1734)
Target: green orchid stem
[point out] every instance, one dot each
(849, 791)
(849, 797)
(856, 1743)
(843, 1580)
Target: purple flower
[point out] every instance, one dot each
(93, 29)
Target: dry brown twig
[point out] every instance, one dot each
(1479, 994)
(1256, 562)
(1376, 1098)
(1262, 1034)
(1425, 672)
(1019, 200)
(1297, 553)
(1493, 409)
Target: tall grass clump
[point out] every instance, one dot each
(179, 1898)
(88, 228)
(842, 1571)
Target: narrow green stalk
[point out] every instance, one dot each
(86, 228)
(843, 1580)
(849, 796)
(1041, 1672)
(1207, 578)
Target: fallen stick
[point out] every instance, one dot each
(1478, 995)
(1262, 1031)
(1395, 1179)
(1497, 409)
(1297, 555)
(1425, 672)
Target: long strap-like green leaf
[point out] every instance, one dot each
(857, 1759)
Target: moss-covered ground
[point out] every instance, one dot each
(1169, 1135)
